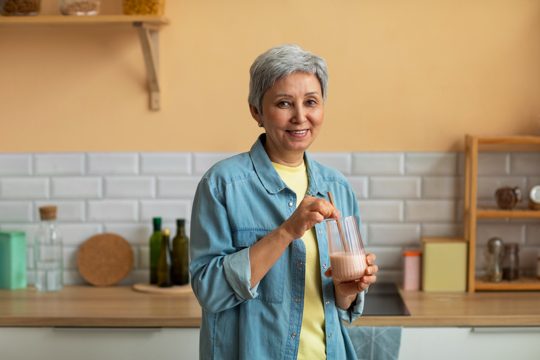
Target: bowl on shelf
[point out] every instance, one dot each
(20, 7)
(80, 7)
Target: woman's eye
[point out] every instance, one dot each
(311, 102)
(284, 104)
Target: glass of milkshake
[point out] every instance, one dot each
(347, 253)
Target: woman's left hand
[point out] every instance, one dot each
(345, 292)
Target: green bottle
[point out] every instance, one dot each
(155, 243)
(164, 261)
(180, 255)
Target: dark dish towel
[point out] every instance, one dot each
(376, 343)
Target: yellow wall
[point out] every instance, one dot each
(404, 75)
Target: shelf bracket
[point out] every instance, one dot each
(149, 37)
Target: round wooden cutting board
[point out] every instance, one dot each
(105, 259)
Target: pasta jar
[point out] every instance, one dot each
(411, 269)
(20, 7)
(79, 7)
(143, 7)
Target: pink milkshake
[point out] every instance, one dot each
(348, 266)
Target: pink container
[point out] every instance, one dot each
(412, 269)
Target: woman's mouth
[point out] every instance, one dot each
(298, 133)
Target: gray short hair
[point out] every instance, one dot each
(281, 61)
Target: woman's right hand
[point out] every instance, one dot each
(311, 211)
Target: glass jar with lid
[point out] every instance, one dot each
(20, 7)
(143, 7)
(79, 7)
(510, 264)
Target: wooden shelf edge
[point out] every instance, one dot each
(76, 20)
(522, 284)
(498, 214)
(507, 140)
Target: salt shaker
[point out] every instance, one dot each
(494, 259)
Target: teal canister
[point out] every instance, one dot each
(12, 260)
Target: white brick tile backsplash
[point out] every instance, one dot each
(136, 234)
(112, 210)
(533, 235)
(394, 234)
(59, 164)
(388, 258)
(381, 211)
(113, 164)
(442, 187)
(442, 230)
(16, 211)
(493, 164)
(177, 187)
(377, 163)
(70, 257)
(67, 210)
(402, 198)
(73, 277)
(76, 234)
(166, 164)
(24, 188)
(204, 161)
(338, 161)
(144, 257)
(509, 233)
(359, 185)
(431, 163)
(15, 164)
(525, 163)
(129, 187)
(488, 185)
(169, 210)
(76, 187)
(401, 187)
(430, 210)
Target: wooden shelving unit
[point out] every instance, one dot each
(474, 144)
(147, 27)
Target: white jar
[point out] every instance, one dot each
(79, 7)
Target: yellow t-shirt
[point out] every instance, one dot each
(312, 337)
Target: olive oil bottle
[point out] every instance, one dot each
(180, 255)
(164, 261)
(155, 243)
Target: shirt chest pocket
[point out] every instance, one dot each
(271, 286)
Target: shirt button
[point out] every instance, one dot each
(293, 335)
(327, 302)
(324, 266)
(291, 204)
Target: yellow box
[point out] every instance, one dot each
(444, 264)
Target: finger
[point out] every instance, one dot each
(371, 270)
(370, 258)
(368, 280)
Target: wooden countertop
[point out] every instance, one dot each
(85, 306)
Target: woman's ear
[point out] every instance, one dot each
(256, 115)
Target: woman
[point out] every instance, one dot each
(259, 253)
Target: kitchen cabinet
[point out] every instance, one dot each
(99, 343)
(147, 27)
(473, 145)
(493, 343)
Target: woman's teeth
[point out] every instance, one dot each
(298, 132)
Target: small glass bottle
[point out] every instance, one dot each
(164, 262)
(154, 244)
(511, 262)
(494, 259)
(180, 255)
(48, 252)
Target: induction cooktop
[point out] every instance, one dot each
(383, 299)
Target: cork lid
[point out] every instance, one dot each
(47, 212)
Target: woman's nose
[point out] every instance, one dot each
(299, 115)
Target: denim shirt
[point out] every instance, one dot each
(238, 201)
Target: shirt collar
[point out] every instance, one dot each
(269, 176)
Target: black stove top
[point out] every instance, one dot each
(383, 299)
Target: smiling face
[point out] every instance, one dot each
(292, 115)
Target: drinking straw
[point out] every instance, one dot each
(340, 229)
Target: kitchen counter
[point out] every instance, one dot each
(85, 306)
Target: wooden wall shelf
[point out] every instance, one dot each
(147, 28)
(473, 145)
